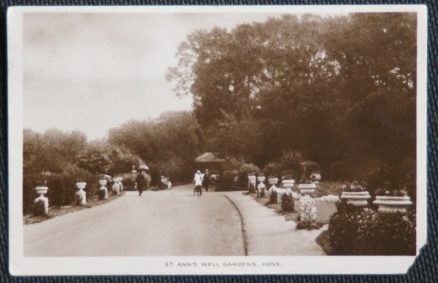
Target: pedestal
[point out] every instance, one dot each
(359, 199)
(81, 195)
(41, 203)
(307, 189)
(393, 204)
(103, 191)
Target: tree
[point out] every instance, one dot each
(333, 88)
(51, 151)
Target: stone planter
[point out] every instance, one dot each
(103, 191)
(288, 183)
(356, 198)
(41, 190)
(273, 181)
(307, 189)
(81, 185)
(261, 178)
(252, 180)
(393, 204)
(41, 203)
(81, 195)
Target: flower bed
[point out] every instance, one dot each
(367, 232)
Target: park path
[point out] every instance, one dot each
(159, 223)
(171, 223)
(268, 233)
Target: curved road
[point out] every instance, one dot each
(159, 223)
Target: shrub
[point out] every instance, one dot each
(363, 231)
(309, 167)
(252, 189)
(394, 234)
(38, 208)
(29, 183)
(61, 190)
(272, 169)
(291, 164)
(287, 203)
(101, 194)
(227, 180)
(249, 168)
(273, 197)
(344, 227)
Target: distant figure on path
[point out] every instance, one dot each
(142, 180)
(206, 180)
(198, 182)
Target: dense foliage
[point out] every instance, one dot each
(339, 90)
(287, 203)
(273, 197)
(168, 144)
(364, 231)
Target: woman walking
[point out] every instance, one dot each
(198, 182)
(142, 180)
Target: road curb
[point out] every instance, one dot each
(242, 224)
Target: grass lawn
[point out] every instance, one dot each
(328, 188)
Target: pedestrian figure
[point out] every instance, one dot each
(206, 180)
(197, 180)
(142, 180)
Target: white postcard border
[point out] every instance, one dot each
(20, 265)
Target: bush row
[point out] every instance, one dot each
(364, 231)
(61, 186)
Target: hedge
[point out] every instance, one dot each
(364, 231)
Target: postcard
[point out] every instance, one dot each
(217, 139)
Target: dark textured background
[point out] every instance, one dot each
(425, 268)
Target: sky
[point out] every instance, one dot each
(95, 71)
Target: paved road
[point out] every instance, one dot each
(161, 223)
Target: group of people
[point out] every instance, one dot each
(201, 180)
(143, 180)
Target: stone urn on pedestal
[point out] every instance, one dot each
(81, 195)
(252, 181)
(261, 187)
(41, 203)
(103, 191)
(393, 203)
(117, 185)
(358, 199)
(307, 189)
(355, 195)
(288, 184)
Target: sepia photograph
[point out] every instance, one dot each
(216, 140)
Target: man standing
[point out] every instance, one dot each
(206, 180)
(198, 182)
(141, 180)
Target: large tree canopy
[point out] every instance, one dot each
(333, 88)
